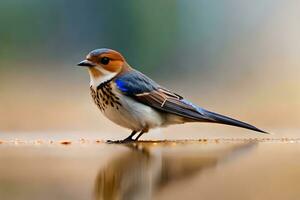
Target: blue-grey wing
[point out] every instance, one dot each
(146, 91)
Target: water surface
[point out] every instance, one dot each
(214, 169)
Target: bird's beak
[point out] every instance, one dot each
(86, 63)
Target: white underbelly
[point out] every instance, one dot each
(134, 115)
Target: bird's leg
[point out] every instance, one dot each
(139, 135)
(128, 139)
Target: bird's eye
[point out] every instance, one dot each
(104, 60)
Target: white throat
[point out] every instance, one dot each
(96, 81)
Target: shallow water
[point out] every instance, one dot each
(213, 169)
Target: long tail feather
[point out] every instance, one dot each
(217, 118)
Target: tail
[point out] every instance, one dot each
(221, 119)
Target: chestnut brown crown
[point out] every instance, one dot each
(108, 59)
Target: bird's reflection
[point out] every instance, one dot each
(149, 167)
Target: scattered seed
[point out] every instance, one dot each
(66, 142)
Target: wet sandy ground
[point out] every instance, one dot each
(186, 169)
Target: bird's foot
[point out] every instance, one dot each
(125, 141)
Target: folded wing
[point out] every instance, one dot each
(146, 91)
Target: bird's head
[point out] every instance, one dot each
(103, 65)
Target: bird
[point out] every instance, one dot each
(134, 101)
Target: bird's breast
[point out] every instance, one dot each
(124, 110)
(105, 98)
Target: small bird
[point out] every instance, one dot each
(134, 101)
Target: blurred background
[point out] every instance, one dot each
(238, 58)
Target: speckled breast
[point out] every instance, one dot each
(104, 97)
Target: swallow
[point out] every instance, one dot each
(132, 100)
